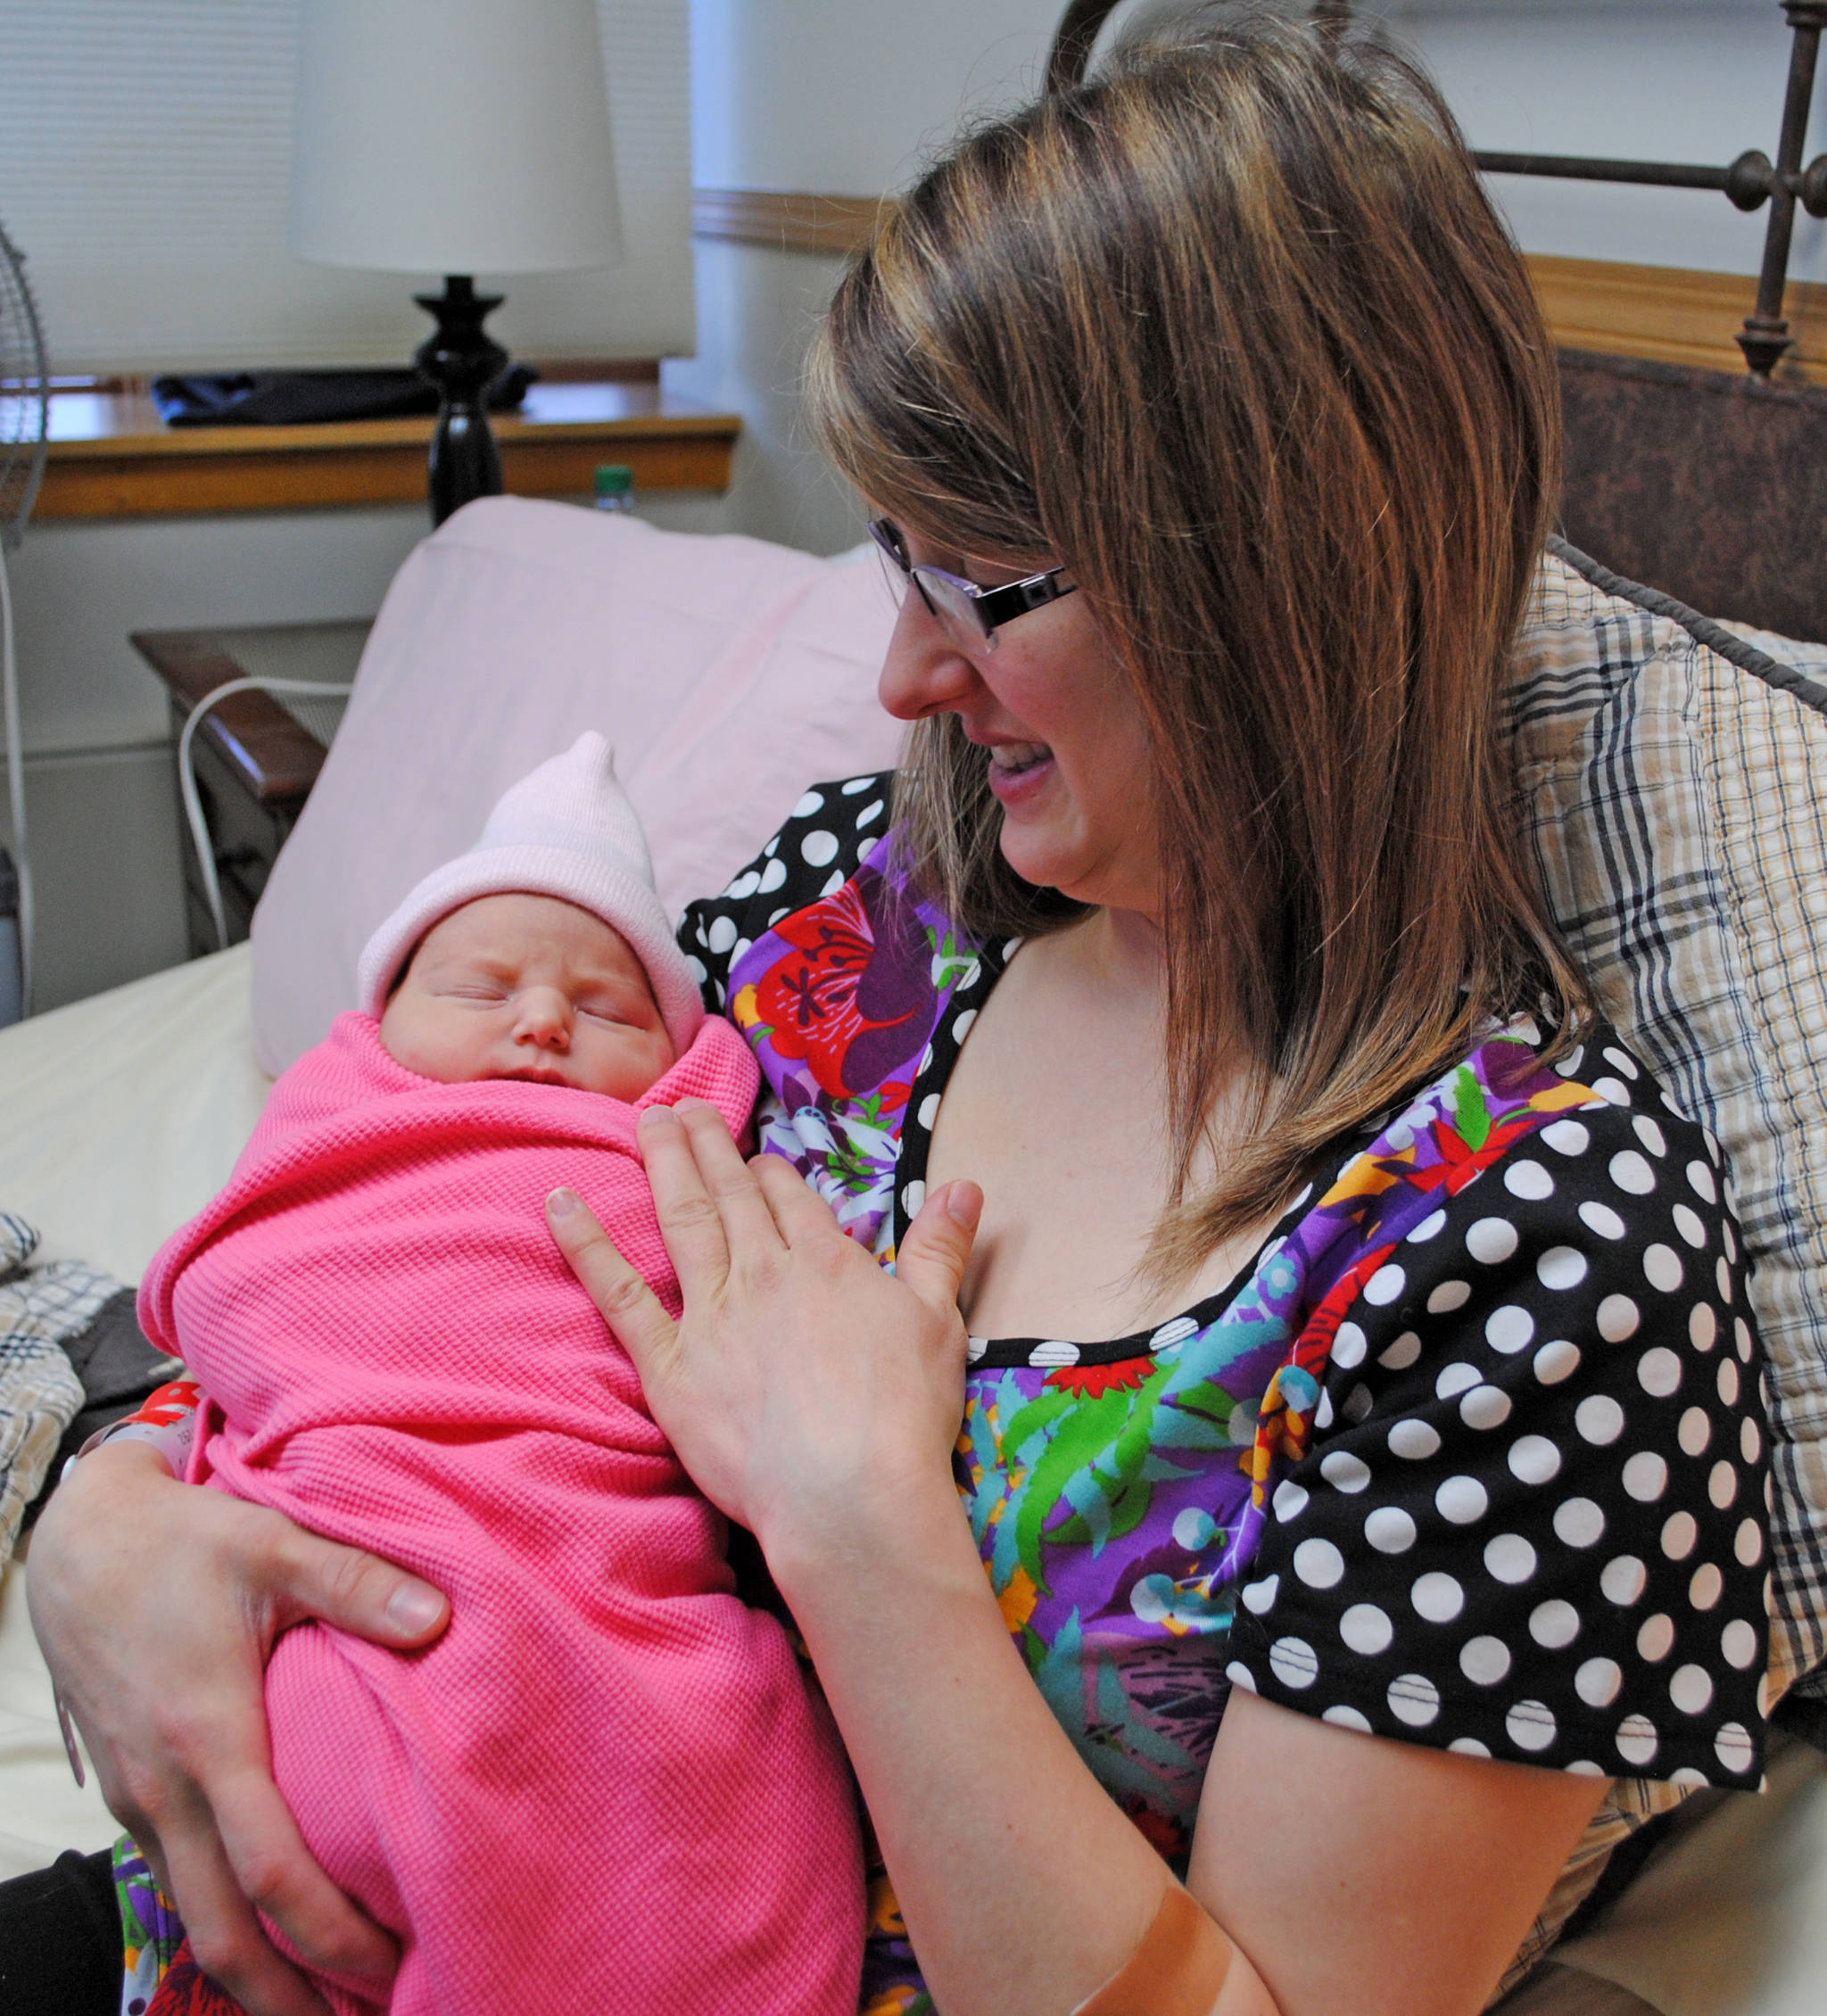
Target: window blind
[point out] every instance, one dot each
(145, 160)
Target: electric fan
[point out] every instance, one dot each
(24, 413)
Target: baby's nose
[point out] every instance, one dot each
(544, 1019)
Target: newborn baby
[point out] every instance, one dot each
(608, 1786)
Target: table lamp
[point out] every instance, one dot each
(454, 136)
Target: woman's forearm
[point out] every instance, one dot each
(156, 1605)
(1023, 1886)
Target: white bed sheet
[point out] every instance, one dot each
(120, 1117)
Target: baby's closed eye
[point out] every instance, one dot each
(603, 1009)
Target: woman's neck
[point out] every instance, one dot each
(1121, 954)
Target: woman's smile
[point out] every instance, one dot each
(1019, 772)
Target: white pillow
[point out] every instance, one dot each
(728, 672)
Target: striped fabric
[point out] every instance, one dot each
(1674, 780)
(40, 1395)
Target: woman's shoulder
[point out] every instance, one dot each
(1528, 1515)
(1536, 1155)
(1583, 1131)
(832, 829)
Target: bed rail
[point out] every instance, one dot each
(1749, 183)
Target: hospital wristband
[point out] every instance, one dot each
(166, 1421)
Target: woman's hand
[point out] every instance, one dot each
(817, 1399)
(802, 1383)
(156, 1606)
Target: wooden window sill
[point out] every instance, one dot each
(110, 456)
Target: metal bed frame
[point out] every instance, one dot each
(1749, 183)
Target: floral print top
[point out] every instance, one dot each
(1469, 1454)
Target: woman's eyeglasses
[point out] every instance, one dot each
(970, 615)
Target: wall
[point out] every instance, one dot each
(839, 97)
(1686, 80)
(173, 245)
(100, 802)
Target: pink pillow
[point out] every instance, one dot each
(728, 672)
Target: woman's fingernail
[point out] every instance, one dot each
(964, 1203)
(564, 1203)
(414, 1607)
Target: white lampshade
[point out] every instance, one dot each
(453, 136)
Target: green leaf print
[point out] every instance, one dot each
(1081, 1437)
(1097, 1455)
(1200, 1417)
(1211, 1402)
(1116, 1518)
(1038, 1416)
(848, 1159)
(1471, 1112)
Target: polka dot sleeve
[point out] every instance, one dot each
(816, 851)
(1532, 1522)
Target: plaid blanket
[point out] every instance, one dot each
(40, 1393)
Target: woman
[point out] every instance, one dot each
(1348, 1374)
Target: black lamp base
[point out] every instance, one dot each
(462, 360)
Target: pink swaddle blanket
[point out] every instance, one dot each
(607, 1787)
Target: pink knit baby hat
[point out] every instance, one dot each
(566, 830)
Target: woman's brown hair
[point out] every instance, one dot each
(1232, 332)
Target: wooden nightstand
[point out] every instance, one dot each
(257, 755)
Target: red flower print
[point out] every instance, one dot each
(187, 1991)
(1091, 1382)
(854, 996)
(1164, 1835)
(1460, 1161)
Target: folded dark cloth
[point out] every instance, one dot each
(117, 1368)
(287, 399)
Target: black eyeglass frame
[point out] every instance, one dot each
(988, 607)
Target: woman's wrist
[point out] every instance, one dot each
(85, 1504)
(866, 1542)
(165, 1422)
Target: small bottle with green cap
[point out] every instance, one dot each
(614, 487)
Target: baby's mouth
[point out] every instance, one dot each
(1011, 758)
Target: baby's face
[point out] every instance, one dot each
(527, 986)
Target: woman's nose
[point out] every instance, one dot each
(543, 1018)
(924, 672)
